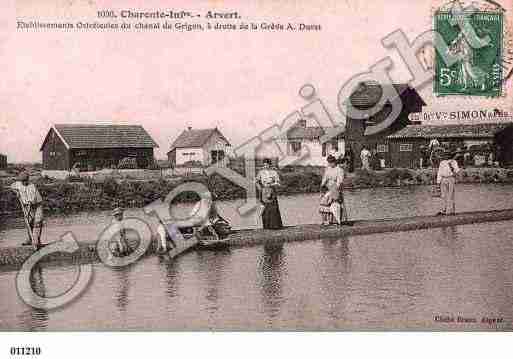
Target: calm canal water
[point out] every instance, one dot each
(387, 281)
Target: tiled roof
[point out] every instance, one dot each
(368, 94)
(306, 133)
(194, 138)
(105, 136)
(481, 130)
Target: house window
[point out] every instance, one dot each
(382, 148)
(405, 147)
(324, 150)
(217, 156)
(334, 145)
(81, 153)
(295, 147)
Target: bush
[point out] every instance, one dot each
(110, 187)
(366, 178)
(488, 173)
(396, 174)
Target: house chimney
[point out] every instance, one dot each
(189, 128)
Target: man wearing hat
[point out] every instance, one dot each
(446, 178)
(31, 200)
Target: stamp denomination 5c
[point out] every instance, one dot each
(475, 38)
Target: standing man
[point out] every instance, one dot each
(446, 178)
(31, 201)
(365, 157)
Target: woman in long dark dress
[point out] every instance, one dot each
(267, 180)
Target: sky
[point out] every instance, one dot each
(241, 82)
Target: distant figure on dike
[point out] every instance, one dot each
(435, 156)
(365, 156)
(433, 143)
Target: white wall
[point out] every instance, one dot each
(57, 174)
(215, 143)
(315, 157)
(189, 154)
(313, 148)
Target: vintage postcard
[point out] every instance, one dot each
(256, 166)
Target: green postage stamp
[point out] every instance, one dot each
(475, 39)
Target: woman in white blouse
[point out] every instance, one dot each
(267, 180)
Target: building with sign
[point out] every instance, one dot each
(407, 145)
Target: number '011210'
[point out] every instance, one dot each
(25, 351)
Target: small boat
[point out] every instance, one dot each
(215, 236)
(214, 243)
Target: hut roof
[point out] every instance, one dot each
(481, 130)
(103, 136)
(368, 93)
(193, 138)
(308, 133)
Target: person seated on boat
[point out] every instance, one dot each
(329, 204)
(119, 244)
(211, 225)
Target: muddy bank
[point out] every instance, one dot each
(62, 197)
(12, 257)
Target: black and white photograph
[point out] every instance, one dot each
(255, 166)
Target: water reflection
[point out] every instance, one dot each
(450, 238)
(272, 267)
(335, 266)
(212, 271)
(372, 282)
(35, 319)
(122, 276)
(171, 271)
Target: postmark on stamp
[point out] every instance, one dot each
(476, 39)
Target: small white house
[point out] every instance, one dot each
(202, 146)
(304, 142)
(303, 139)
